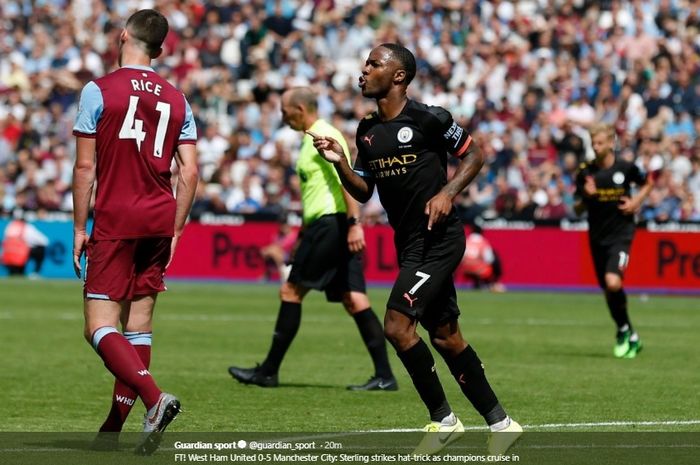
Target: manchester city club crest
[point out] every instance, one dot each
(405, 134)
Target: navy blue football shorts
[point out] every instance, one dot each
(610, 258)
(323, 261)
(424, 289)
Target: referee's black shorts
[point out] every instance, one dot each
(425, 289)
(323, 261)
(610, 258)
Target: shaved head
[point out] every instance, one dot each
(302, 96)
(299, 107)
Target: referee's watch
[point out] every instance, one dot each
(353, 220)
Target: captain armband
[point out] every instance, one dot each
(465, 149)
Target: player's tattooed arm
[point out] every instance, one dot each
(440, 205)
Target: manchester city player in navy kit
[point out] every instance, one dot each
(603, 188)
(402, 149)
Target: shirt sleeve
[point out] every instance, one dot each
(456, 139)
(89, 111)
(637, 176)
(358, 167)
(188, 134)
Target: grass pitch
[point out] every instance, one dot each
(548, 357)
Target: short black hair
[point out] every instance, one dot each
(405, 57)
(149, 27)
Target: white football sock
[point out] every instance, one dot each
(501, 425)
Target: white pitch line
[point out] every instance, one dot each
(562, 425)
(13, 314)
(471, 428)
(235, 317)
(617, 423)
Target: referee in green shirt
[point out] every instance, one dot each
(327, 253)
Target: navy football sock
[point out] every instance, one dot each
(420, 364)
(373, 337)
(288, 321)
(617, 304)
(469, 373)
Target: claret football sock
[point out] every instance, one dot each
(123, 397)
(420, 364)
(124, 362)
(373, 337)
(469, 373)
(288, 321)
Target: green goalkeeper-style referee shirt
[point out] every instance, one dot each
(321, 190)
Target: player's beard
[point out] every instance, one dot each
(604, 154)
(370, 92)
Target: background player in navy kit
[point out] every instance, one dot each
(603, 188)
(402, 148)
(130, 125)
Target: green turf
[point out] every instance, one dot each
(548, 356)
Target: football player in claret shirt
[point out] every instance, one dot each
(603, 188)
(130, 125)
(403, 149)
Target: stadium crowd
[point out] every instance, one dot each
(526, 77)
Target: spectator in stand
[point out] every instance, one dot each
(210, 151)
(520, 72)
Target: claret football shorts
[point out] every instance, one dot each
(122, 269)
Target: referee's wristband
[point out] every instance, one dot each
(353, 220)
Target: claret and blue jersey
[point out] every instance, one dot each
(138, 120)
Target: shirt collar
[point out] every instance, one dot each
(140, 67)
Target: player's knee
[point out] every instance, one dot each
(348, 304)
(355, 302)
(440, 343)
(87, 334)
(451, 345)
(400, 339)
(613, 282)
(289, 293)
